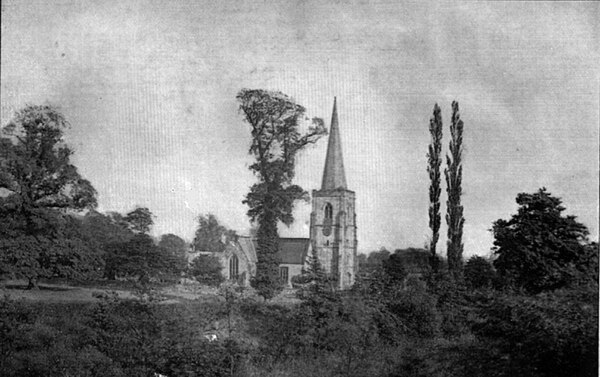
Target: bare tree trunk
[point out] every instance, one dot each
(33, 283)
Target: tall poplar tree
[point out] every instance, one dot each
(453, 173)
(434, 160)
(275, 121)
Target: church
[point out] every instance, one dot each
(332, 229)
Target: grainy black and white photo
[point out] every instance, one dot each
(309, 188)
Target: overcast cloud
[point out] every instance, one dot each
(149, 87)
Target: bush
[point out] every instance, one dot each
(206, 269)
(551, 334)
(415, 309)
(479, 273)
(39, 340)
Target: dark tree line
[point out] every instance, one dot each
(48, 224)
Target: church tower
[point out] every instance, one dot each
(333, 219)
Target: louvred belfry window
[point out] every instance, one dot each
(328, 211)
(328, 220)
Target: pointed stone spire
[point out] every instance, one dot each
(334, 176)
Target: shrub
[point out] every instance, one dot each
(206, 269)
(416, 311)
(551, 334)
(479, 273)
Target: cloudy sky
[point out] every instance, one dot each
(149, 88)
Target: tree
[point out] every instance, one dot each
(174, 250)
(207, 269)
(210, 235)
(395, 268)
(106, 229)
(434, 159)
(377, 258)
(139, 258)
(40, 185)
(318, 285)
(479, 272)
(274, 119)
(374, 260)
(109, 231)
(453, 173)
(539, 249)
(139, 220)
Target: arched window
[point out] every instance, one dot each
(233, 267)
(328, 211)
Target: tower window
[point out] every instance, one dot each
(328, 211)
(233, 267)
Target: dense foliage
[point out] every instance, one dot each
(479, 273)
(540, 249)
(427, 326)
(140, 220)
(136, 256)
(141, 259)
(112, 337)
(211, 235)
(207, 269)
(39, 186)
(275, 121)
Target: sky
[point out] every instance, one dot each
(149, 88)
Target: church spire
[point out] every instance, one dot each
(334, 176)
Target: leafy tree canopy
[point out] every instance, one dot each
(275, 120)
(539, 248)
(139, 220)
(479, 272)
(174, 250)
(106, 229)
(207, 269)
(35, 167)
(211, 235)
(139, 258)
(38, 185)
(173, 243)
(372, 261)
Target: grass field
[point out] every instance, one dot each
(63, 291)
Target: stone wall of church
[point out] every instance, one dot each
(333, 233)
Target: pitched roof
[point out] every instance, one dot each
(248, 246)
(293, 250)
(334, 176)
